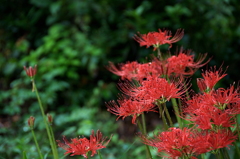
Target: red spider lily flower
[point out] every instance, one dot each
(155, 88)
(212, 76)
(201, 84)
(126, 71)
(213, 110)
(183, 63)
(212, 118)
(178, 143)
(156, 39)
(220, 139)
(82, 146)
(222, 98)
(129, 107)
(31, 71)
(135, 70)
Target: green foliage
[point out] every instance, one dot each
(72, 42)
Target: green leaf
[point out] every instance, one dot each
(24, 155)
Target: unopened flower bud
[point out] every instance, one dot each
(31, 122)
(31, 71)
(201, 84)
(50, 119)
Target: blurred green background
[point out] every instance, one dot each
(72, 41)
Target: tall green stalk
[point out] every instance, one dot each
(176, 110)
(99, 154)
(51, 139)
(225, 153)
(167, 114)
(237, 126)
(36, 143)
(159, 54)
(144, 133)
(162, 115)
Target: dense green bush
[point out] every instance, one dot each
(72, 42)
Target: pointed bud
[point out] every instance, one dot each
(201, 84)
(50, 119)
(31, 71)
(31, 122)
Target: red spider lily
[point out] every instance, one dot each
(31, 71)
(126, 71)
(222, 98)
(155, 88)
(156, 39)
(211, 77)
(82, 146)
(135, 70)
(215, 109)
(178, 143)
(212, 118)
(129, 107)
(201, 84)
(183, 63)
(220, 139)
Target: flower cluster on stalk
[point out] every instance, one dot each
(187, 143)
(161, 37)
(83, 146)
(212, 112)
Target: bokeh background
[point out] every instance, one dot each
(72, 42)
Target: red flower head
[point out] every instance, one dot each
(129, 107)
(156, 39)
(82, 146)
(126, 71)
(183, 63)
(178, 143)
(211, 77)
(155, 88)
(31, 72)
(220, 139)
(213, 110)
(135, 70)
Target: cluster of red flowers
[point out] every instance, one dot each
(129, 106)
(83, 146)
(156, 39)
(211, 112)
(139, 99)
(152, 85)
(189, 143)
(213, 109)
(181, 64)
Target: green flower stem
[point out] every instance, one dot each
(64, 156)
(225, 153)
(175, 107)
(54, 150)
(159, 54)
(161, 112)
(144, 124)
(218, 155)
(53, 140)
(237, 125)
(237, 148)
(147, 147)
(167, 114)
(99, 154)
(180, 106)
(36, 143)
(202, 156)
